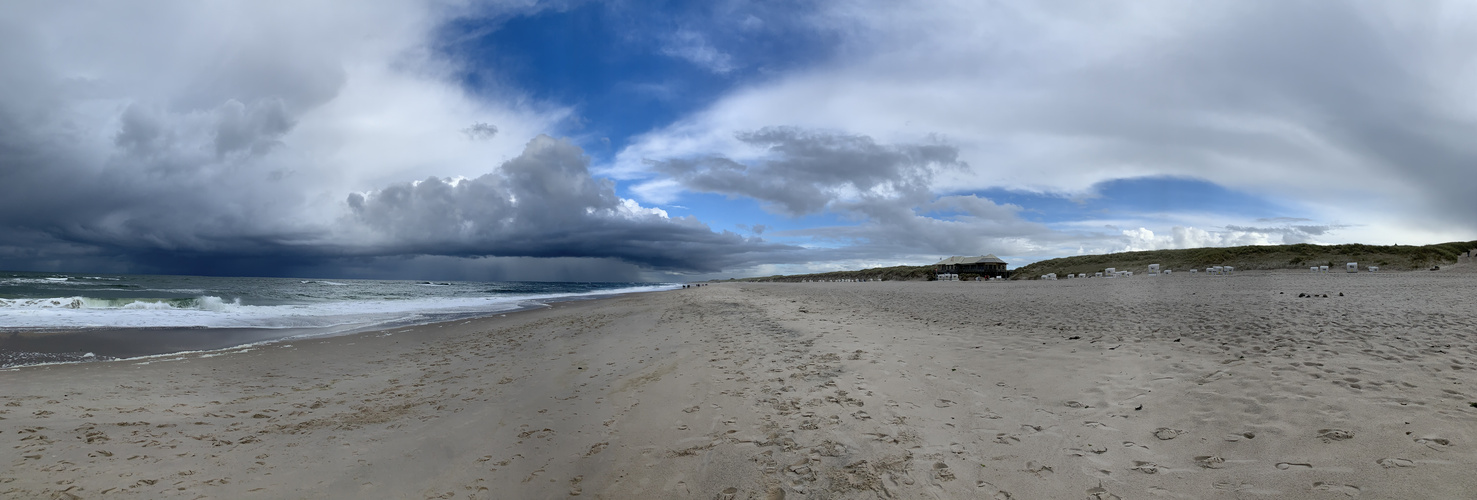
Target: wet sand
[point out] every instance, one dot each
(32, 347)
(1169, 387)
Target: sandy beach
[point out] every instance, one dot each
(1260, 385)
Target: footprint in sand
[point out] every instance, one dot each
(1437, 444)
(1219, 374)
(1391, 463)
(942, 472)
(1165, 433)
(1290, 465)
(1091, 448)
(1100, 493)
(1210, 461)
(1331, 435)
(1040, 470)
(1346, 489)
(1236, 437)
(1145, 467)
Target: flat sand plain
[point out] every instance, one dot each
(1169, 387)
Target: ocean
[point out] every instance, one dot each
(52, 317)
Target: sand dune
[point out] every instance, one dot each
(1173, 387)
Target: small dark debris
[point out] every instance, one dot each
(1341, 294)
(1074, 337)
(1474, 405)
(1176, 340)
(1139, 407)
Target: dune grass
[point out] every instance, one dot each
(1259, 257)
(1256, 257)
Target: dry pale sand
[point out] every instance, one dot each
(1171, 387)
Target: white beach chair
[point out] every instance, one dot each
(1352, 267)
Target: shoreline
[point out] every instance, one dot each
(96, 344)
(1219, 388)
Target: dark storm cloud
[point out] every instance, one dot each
(129, 145)
(808, 170)
(883, 187)
(255, 128)
(544, 203)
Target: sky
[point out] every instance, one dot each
(674, 141)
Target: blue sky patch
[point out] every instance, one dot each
(630, 69)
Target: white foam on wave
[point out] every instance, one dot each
(215, 312)
(204, 302)
(43, 281)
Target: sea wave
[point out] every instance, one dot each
(208, 311)
(204, 303)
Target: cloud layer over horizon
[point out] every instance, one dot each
(413, 139)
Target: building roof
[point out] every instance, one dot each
(983, 259)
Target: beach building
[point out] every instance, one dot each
(984, 265)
